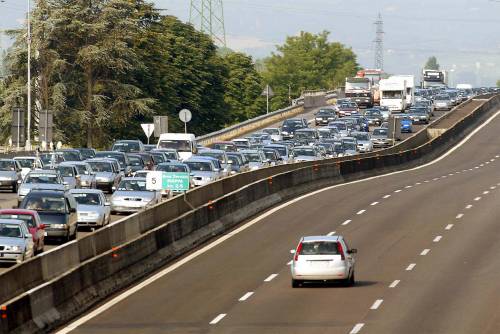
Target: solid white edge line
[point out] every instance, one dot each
(357, 328)
(246, 296)
(376, 304)
(394, 284)
(270, 277)
(254, 221)
(425, 252)
(217, 319)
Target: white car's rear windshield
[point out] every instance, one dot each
(319, 248)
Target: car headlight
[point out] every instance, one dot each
(207, 178)
(59, 226)
(23, 191)
(5, 178)
(13, 248)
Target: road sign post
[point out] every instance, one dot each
(148, 129)
(268, 93)
(185, 116)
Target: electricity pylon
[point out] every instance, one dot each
(208, 17)
(379, 43)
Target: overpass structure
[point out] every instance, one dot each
(421, 214)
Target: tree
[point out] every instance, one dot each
(243, 88)
(432, 64)
(307, 62)
(498, 83)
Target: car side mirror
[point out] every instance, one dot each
(72, 210)
(113, 188)
(107, 204)
(353, 251)
(42, 226)
(292, 251)
(28, 236)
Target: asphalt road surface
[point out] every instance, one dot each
(427, 261)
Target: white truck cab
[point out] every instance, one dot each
(393, 94)
(184, 143)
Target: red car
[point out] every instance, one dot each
(32, 219)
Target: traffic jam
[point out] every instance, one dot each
(64, 192)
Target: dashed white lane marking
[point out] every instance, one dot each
(376, 304)
(408, 187)
(471, 169)
(387, 196)
(331, 233)
(492, 160)
(270, 278)
(246, 296)
(435, 179)
(486, 192)
(449, 227)
(425, 252)
(457, 172)
(437, 239)
(451, 174)
(218, 318)
(346, 222)
(418, 183)
(394, 284)
(468, 206)
(360, 212)
(411, 266)
(459, 216)
(481, 165)
(498, 184)
(493, 188)
(477, 198)
(374, 203)
(357, 328)
(444, 176)
(427, 181)
(465, 170)
(477, 167)
(497, 156)
(397, 191)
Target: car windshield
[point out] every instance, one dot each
(82, 169)
(270, 154)
(253, 157)
(234, 160)
(304, 135)
(380, 132)
(361, 136)
(126, 147)
(372, 113)
(101, 166)
(132, 185)
(218, 156)
(171, 156)
(42, 179)
(281, 150)
(117, 156)
(178, 145)
(172, 168)
(391, 94)
(7, 165)
(45, 203)
(135, 161)
(319, 248)
(442, 98)
(305, 151)
(272, 131)
(10, 231)
(159, 158)
(71, 156)
(48, 158)
(350, 146)
(66, 171)
(199, 166)
(28, 219)
(87, 198)
(87, 153)
(340, 126)
(26, 163)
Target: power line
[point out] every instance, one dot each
(208, 17)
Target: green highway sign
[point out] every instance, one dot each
(175, 181)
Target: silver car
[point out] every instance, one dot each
(92, 208)
(40, 179)
(380, 138)
(10, 174)
(28, 164)
(443, 102)
(132, 196)
(322, 259)
(85, 172)
(219, 155)
(203, 170)
(16, 243)
(106, 172)
(70, 176)
(364, 142)
(306, 153)
(256, 159)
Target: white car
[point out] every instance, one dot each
(322, 259)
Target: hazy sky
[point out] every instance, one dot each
(463, 34)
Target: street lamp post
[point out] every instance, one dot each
(28, 137)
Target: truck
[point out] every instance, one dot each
(375, 75)
(393, 94)
(434, 79)
(410, 88)
(359, 90)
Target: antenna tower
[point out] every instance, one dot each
(208, 17)
(379, 43)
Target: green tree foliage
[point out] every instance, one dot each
(307, 62)
(498, 83)
(243, 88)
(432, 64)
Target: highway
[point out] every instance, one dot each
(426, 263)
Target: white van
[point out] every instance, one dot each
(184, 143)
(393, 94)
(410, 88)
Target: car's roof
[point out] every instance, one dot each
(100, 160)
(18, 212)
(213, 150)
(134, 179)
(73, 163)
(6, 159)
(86, 191)
(44, 171)
(171, 163)
(47, 191)
(12, 221)
(128, 140)
(25, 157)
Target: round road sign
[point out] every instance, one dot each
(185, 115)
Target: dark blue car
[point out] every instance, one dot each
(406, 125)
